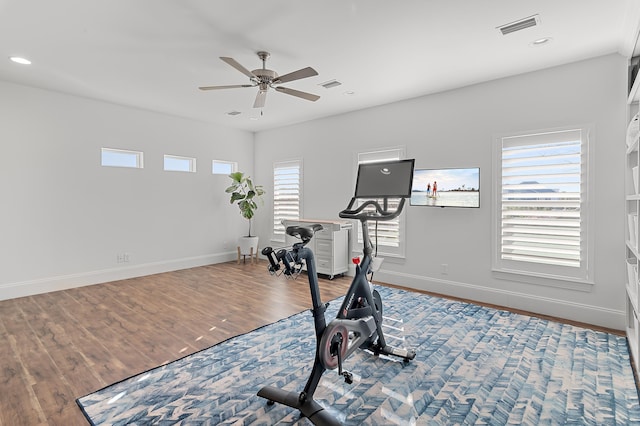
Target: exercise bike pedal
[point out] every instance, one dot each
(348, 377)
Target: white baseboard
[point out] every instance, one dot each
(49, 284)
(604, 317)
(590, 314)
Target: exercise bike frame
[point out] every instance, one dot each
(303, 401)
(360, 321)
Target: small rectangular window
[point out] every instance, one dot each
(220, 167)
(174, 163)
(121, 158)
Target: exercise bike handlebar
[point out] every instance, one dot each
(381, 214)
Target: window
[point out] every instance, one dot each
(220, 167)
(541, 203)
(287, 194)
(173, 163)
(121, 158)
(388, 235)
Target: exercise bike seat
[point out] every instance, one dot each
(305, 233)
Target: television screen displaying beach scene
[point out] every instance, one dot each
(446, 187)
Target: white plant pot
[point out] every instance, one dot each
(246, 245)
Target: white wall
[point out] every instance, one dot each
(457, 129)
(64, 218)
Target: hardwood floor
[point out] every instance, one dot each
(59, 346)
(56, 347)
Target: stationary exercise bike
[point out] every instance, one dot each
(358, 323)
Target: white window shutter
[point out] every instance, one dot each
(287, 185)
(541, 192)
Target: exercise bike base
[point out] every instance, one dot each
(309, 407)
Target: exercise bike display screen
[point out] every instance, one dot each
(385, 179)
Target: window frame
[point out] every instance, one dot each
(139, 157)
(278, 234)
(233, 164)
(191, 163)
(575, 278)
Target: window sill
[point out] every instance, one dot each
(547, 280)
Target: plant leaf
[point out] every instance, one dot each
(236, 176)
(243, 191)
(236, 196)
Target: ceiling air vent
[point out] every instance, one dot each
(512, 27)
(329, 84)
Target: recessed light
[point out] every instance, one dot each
(542, 41)
(349, 93)
(19, 60)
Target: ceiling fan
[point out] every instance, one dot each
(264, 78)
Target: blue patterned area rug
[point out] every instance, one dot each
(475, 365)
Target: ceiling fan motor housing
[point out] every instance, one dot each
(264, 75)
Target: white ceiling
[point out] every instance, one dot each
(153, 54)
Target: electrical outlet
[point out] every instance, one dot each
(126, 257)
(120, 258)
(444, 269)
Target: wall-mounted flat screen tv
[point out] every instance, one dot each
(446, 187)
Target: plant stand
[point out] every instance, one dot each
(248, 246)
(252, 256)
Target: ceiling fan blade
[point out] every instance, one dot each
(297, 75)
(233, 86)
(237, 66)
(261, 97)
(304, 95)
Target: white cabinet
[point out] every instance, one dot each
(632, 235)
(330, 246)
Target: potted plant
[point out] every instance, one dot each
(245, 194)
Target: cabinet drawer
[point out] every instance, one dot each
(324, 234)
(323, 258)
(323, 266)
(324, 247)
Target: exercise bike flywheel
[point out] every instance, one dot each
(335, 338)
